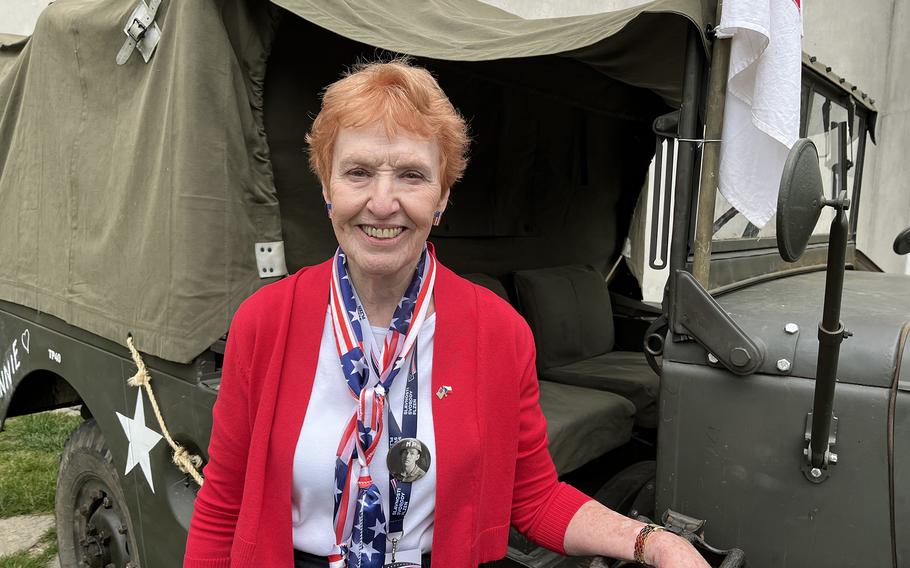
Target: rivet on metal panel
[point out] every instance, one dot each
(815, 472)
(783, 365)
(791, 328)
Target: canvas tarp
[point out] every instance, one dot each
(10, 47)
(647, 47)
(132, 196)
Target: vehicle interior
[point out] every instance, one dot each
(558, 158)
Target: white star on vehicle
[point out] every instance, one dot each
(141, 438)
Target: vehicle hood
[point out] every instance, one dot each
(875, 307)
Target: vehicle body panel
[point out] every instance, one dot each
(731, 447)
(875, 308)
(731, 451)
(901, 444)
(96, 372)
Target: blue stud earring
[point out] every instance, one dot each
(437, 218)
(328, 209)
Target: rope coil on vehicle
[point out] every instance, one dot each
(187, 463)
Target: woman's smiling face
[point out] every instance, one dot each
(384, 191)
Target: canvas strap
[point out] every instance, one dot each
(141, 31)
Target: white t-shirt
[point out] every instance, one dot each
(329, 410)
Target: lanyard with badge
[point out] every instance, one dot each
(408, 459)
(369, 371)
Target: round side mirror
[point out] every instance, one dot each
(799, 201)
(902, 242)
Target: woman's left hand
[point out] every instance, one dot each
(666, 550)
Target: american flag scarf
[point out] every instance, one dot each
(360, 542)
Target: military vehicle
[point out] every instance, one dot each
(153, 175)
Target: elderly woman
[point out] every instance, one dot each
(377, 408)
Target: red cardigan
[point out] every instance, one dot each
(492, 463)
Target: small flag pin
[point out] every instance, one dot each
(443, 391)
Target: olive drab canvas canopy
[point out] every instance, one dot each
(133, 196)
(647, 47)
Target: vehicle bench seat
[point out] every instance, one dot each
(625, 373)
(491, 283)
(582, 423)
(569, 311)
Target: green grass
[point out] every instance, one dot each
(30, 448)
(38, 557)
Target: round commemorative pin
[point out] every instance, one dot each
(408, 460)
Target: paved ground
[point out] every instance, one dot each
(24, 532)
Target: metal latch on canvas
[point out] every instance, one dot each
(142, 32)
(270, 259)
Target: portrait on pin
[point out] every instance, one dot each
(408, 460)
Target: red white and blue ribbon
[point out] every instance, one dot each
(369, 371)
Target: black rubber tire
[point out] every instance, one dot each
(89, 493)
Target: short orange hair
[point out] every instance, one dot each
(399, 95)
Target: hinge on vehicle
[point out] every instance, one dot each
(696, 314)
(142, 32)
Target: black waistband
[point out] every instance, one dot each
(307, 560)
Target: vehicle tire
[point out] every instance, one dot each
(93, 524)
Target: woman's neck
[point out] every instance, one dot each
(380, 294)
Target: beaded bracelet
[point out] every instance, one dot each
(640, 542)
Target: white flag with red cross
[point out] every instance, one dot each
(761, 119)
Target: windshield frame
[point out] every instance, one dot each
(813, 84)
